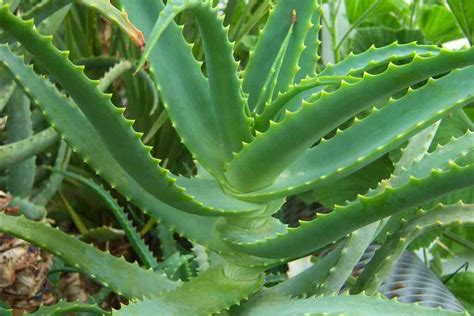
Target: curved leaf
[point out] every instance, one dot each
(269, 43)
(141, 249)
(385, 257)
(28, 147)
(382, 130)
(83, 136)
(190, 109)
(63, 308)
(228, 105)
(310, 236)
(210, 292)
(21, 176)
(47, 7)
(117, 274)
(344, 304)
(75, 128)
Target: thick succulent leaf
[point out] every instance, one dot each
(360, 239)
(456, 149)
(119, 152)
(11, 154)
(382, 130)
(189, 109)
(119, 137)
(113, 73)
(375, 57)
(356, 64)
(463, 11)
(47, 7)
(310, 236)
(417, 148)
(228, 105)
(385, 257)
(440, 159)
(306, 282)
(66, 308)
(269, 43)
(74, 128)
(272, 109)
(21, 176)
(119, 275)
(7, 86)
(209, 192)
(210, 292)
(267, 91)
(310, 56)
(51, 186)
(354, 249)
(334, 305)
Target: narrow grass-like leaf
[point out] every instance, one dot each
(138, 244)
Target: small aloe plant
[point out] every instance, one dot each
(276, 129)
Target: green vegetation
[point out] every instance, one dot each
(118, 131)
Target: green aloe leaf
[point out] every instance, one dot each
(228, 105)
(210, 292)
(356, 64)
(18, 151)
(301, 175)
(66, 308)
(380, 266)
(21, 175)
(189, 109)
(108, 123)
(335, 305)
(115, 273)
(75, 128)
(310, 236)
(270, 42)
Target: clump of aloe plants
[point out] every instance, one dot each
(281, 125)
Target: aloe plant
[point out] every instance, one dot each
(276, 129)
